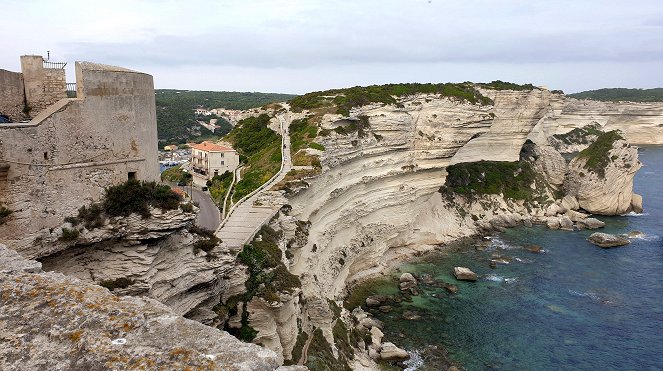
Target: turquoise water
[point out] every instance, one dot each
(573, 307)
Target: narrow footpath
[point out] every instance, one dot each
(244, 218)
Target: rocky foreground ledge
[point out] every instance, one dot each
(55, 322)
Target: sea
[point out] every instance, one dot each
(572, 306)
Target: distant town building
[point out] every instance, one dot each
(202, 112)
(171, 147)
(209, 159)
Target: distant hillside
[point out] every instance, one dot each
(176, 122)
(622, 94)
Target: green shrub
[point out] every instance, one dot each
(503, 85)
(317, 146)
(69, 234)
(91, 216)
(4, 213)
(136, 197)
(597, 155)
(512, 179)
(187, 207)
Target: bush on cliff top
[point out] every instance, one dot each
(134, 196)
(579, 135)
(505, 85)
(124, 199)
(597, 155)
(345, 99)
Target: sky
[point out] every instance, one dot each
(297, 46)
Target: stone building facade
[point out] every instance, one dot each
(209, 159)
(72, 149)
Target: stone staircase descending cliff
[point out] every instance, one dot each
(247, 217)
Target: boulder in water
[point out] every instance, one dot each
(464, 274)
(607, 240)
(565, 223)
(390, 352)
(590, 223)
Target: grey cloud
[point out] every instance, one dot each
(295, 50)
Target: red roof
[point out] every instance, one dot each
(211, 147)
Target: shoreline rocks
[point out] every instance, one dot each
(605, 240)
(464, 274)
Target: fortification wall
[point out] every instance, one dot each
(68, 154)
(12, 96)
(43, 86)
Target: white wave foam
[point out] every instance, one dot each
(592, 295)
(415, 361)
(632, 213)
(494, 278)
(497, 243)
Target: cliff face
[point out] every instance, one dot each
(641, 123)
(53, 321)
(379, 191)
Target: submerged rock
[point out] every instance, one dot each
(590, 223)
(411, 316)
(451, 288)
(634, 234)
(534, 248)
(464, 274)
(607, 240)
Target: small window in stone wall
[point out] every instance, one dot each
(45, 155)
(131, 175)
(222, 163)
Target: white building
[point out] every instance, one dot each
(209, 159)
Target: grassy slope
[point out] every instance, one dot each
(259, 148)
(175, 110)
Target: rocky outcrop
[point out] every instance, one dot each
(158, 257)
(52, 321)
(276, 323)
(546, 161)
(601, 177)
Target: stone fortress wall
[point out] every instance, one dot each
(74, 148)
(12, 95)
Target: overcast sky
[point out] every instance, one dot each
(296, 46)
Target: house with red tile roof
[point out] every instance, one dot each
(210, 159)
